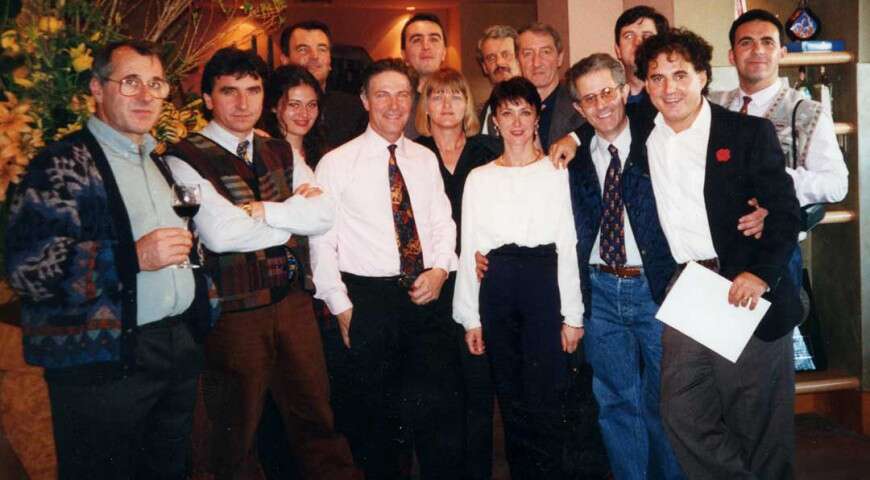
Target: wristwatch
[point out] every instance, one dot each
(248, 208)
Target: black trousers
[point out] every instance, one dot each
(135, 427)
(399, 383)
(544, 394)
(478, 405)
(726, 420)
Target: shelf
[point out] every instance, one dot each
(826, 381)
(839, 216)
(844, 128)
(816, 58)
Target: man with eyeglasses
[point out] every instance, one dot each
(625, 267)
(497, 56)
(92, 246)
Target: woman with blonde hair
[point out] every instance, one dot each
(449, 127)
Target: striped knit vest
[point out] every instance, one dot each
(251, 279)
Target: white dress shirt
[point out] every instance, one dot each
(528, 206)
(601, 160)
(363, 240)
(825, 177)
(224, 227)
(677, 164)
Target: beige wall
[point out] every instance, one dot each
(709, 18)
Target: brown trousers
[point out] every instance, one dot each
(275, 348)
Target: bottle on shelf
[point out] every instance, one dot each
(822, 89)
(803, 85)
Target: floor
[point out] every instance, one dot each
(825, 451)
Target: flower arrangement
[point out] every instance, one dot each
(46, 54)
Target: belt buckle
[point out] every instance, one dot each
(405, 281)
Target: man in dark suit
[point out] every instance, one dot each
(309, 44)
(725, 420)
(540, 52)
(625, 266)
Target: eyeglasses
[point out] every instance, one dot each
(607, 94)
(131, 85)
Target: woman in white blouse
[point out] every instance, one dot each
(527, 311)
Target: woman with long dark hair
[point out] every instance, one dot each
(293, 112)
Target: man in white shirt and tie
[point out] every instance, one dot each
(380, 270)
(255, 198)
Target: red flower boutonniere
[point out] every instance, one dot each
(723, 155)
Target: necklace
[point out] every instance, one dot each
(501, 162)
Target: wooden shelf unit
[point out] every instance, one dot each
(839, 216)
(816, 58)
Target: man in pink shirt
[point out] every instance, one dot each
(393, 360)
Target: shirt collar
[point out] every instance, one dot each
(622, 142)
(700, 125)
(120, 144)
(227, 140)
(762, 97)
(375, 143)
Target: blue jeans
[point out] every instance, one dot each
(623, 344)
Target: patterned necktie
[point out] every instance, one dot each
(242, 150)
(612, 242)
(745, 108)
(410, 250)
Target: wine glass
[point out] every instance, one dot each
(185, 202)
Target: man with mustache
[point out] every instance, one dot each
(309, 44)
(725, 420)
(255, 198)
(424, 48)
(540, 52)
(92, 246)
(497, 56)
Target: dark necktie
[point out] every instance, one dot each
(612, 242)
(242, 150)
(410, 250)
(745, 108)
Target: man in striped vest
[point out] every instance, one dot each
(253, 203)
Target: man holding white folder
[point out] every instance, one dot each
(725, 420)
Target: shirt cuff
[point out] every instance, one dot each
(574, 321)
(448, 263)
(576, 138)
(338, 302)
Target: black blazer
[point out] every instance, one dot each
(745, 160)
(565, 119)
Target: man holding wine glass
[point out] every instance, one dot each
(267, 338)
(90, 238)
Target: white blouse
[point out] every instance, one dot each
(528, 206)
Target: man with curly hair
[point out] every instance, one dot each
(725, 420)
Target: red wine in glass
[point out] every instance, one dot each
(185, 211)
(185, 202)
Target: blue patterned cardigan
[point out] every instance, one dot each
(72, 259)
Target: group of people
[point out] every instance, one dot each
(380, 268)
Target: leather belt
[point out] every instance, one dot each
(620, 271)
(710, 264)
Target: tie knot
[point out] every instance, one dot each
(614, 152)
(242, 149)
(392, 148)
(745, 107)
